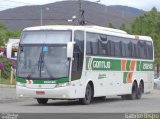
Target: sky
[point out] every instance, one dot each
(140, 4)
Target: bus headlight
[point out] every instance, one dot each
(62, 85)
(21, 84)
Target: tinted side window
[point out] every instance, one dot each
(141, 46)
(149, 50)
(103, 45)
(133, 47)
(126, 47)
(118, 51)
(92, 44)
(103, 41)
(123, 50)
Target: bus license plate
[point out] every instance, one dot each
(40, 92)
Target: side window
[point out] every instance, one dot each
(92, 44)
(149, 50)
(126, 47)
(112, 49)
(133, 46)
(118, 51)
(141, 46)
(130, 49)
(78, 55)
(115, 46)
(123, 49)
(137, 51)
(103, 45)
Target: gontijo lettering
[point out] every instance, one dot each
(102, 64)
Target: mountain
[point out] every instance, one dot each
(61, 12)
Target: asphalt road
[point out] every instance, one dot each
(150, 103)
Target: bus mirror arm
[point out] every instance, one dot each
(70, 59)
(70, 46)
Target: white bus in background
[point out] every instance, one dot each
(12, 48)
(83, 62)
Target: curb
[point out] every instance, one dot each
(7, 86)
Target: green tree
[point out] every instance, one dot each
(110, 25)
(2, 26)
(2, 38)
(124, 28)
(5, 34)
(12, 34)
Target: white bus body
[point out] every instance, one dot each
(104, 62)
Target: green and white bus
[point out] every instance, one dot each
(83, 62)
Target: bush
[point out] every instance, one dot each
(5, 66)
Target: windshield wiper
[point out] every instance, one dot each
(41, 62)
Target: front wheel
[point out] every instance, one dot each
(42, 101)
(88, 96)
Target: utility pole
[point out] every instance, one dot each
(41, 18)
(41, 15)
(81, 19)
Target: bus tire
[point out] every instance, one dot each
(140, 91)
(133, 95)
(42, 101)
(88, 96)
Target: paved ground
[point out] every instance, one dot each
(150, 103)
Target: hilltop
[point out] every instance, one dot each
(60, 12)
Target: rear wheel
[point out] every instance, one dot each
(140, 91)
(133, 96)
(88, 96)
(42, 101)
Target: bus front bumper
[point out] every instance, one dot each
(66, 92)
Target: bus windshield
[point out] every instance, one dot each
(43, 61)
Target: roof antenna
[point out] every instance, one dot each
(81, 14)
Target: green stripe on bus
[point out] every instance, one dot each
(128, 65)
(21, 80)
(104, 64)
(138, 66)
(125, 77)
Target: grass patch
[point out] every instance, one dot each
(7, 81)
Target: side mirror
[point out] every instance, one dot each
(70, 46)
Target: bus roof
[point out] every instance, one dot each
(91, 28)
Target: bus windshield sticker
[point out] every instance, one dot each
(45, 48)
